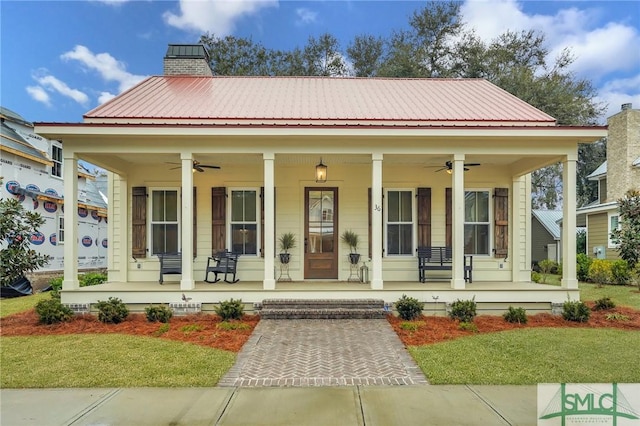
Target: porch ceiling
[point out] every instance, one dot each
(126, 162)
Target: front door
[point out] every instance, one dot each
(320, 235)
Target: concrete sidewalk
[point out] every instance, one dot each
(326, 406)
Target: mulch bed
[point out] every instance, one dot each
(434, 329)
(180, 328)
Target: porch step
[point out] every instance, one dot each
(322, 309)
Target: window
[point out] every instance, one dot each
(244, 221)
(165, 219)
(399, 222)
(60, 229)
(476, 222)
(614, 223)
(56, 156)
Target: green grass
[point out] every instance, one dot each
(108, 360)
(535, 355)
(20, 304)
(622, 295)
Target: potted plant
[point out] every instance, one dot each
(286, 241)
(352, 239)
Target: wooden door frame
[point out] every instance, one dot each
(334, 271)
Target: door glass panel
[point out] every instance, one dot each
(321, 237)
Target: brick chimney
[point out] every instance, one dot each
(623, 149)
(187, 59)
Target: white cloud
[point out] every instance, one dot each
(305, 16)
(105, 97)
(106, 65)
(53, 84)
(598, 48)
(620, 91)
(39, 94)
(215, 16)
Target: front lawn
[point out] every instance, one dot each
(108, 360)
(535, 355)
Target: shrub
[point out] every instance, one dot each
(158, 313)
(463, 310)
(616, 316)
(113, 311)
(536, 277)
(92, 278)
(515, 315)
(161, 330)
(600, 271)
(620, 273)
(468, 326)
(582, 268)
(56, 286)
(230, 309)
(51, 311)
(604, 304)
(408, 308)
(575, 311)
(190, 328)
(547, 266)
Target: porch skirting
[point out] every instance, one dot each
(491, 297)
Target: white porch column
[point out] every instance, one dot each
(269, 249)
(376, 222)
(70, 175)
(569, 277)
(187, 282)
(520, 253)
(119, 252)
(457, 180)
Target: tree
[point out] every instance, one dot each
(322, 57)
(16, 227)
(365, 53)
(627, 236)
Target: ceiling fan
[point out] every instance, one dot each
(448, 166)
(197, 166)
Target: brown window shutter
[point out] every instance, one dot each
(218, 219)
(195, 222)
(139, 221)
(501, 216)
(424, 217)
(448, 217)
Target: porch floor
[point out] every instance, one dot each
(491, 297)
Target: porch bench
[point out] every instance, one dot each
(224, 262)
(437, 258)
(170, 263)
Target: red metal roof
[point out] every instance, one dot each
(235, 100)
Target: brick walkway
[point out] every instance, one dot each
(323, 353)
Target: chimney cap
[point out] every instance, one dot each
(187, 51)
(626, 106)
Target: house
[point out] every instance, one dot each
(403, 163)
(32, 168)
(545, 235)
(617, 175)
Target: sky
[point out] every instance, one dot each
(61, 59)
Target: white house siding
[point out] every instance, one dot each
(352, 181)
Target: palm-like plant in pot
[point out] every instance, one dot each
(286, 242)
(352, 239)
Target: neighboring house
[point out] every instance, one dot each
(390, 159)
(617, 175)
(32, 169)
(545, 235)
